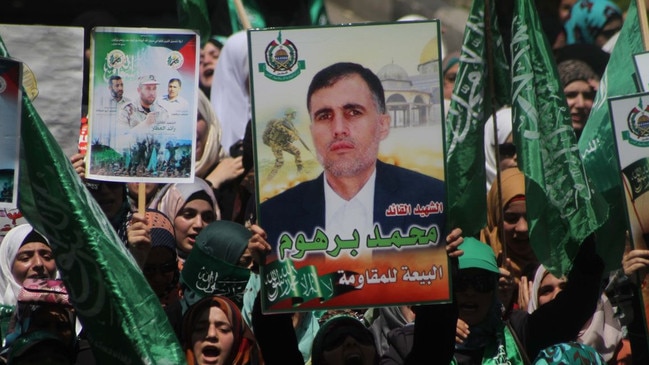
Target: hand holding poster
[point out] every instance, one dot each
(143, 104)
(358, 218)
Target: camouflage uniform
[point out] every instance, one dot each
(279, 135)
(133, 114)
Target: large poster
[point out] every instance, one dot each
(347, 125)
(143, 102)
(10, 112)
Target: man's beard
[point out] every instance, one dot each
(349, 166)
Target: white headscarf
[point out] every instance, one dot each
(602, 332)
(212, 151)
(9, 288)
(504, 121)
(230, 96)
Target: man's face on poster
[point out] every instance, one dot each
(346, 126)
(148, 93)
(172, 89)
(117, 89)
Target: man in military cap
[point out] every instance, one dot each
(144, 112)
(279, 135)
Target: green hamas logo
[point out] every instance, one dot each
(282, 63)
(638, 123)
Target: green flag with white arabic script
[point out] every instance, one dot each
(121, 314)
(471, 106)
(562, 209)
(597, 143)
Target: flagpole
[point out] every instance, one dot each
(141, 198)
(644, 24)
(492, 95)
(241, 12)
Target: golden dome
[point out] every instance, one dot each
(430, 52)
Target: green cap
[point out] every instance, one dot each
(477, 255)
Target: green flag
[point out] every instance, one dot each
(562, 209)
(123, 317)
(597, 143)
(317, 14)
(471, 106)
(192, 14)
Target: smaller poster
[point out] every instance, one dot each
(642, 69)
(630, 115)
(143, 102)
(10, 113)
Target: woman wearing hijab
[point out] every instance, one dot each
(213, 332)
(24, 253)
(580, 84)
(230, 92)
(502, 142)
(220, 171)
(603, 331)
(593, 22)
(209, 151)
(190, 207)
(210, 53)
(522, 335)
(159, 261)
(219, 264)
(513, 220)
(344, 340)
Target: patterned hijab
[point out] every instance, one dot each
(573, 353)
(588, 18)
(244, 348)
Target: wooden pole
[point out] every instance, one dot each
(241, 12)
(141, 198)
(644, 25)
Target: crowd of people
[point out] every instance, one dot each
(200, 249)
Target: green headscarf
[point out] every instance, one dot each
(211, 267)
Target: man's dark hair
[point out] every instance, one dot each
(328, 76)
(176, 80)
(114, 78)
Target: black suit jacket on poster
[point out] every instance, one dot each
(302, 208)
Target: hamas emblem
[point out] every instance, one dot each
(282, 63)
(116, 59)
(638, 123)
(175, 60)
